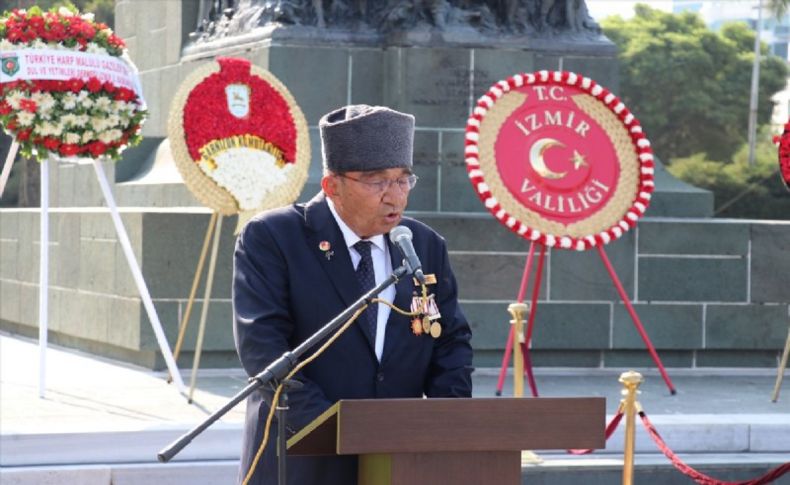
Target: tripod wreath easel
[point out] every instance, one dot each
(214, 227)
(523, 365)
(58, 112)
(241, 144)
(123, 238)
(587, 179)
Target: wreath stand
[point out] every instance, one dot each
(523, 365)
(215, 227)
(123, 237)
(782, 366)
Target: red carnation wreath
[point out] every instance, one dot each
(68, 88)
(238, 138)
(784, 155)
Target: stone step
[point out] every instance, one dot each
(654, 469)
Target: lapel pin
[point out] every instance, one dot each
(325, 246)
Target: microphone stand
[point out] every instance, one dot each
(277, 370)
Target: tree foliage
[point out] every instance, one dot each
(690, 86)
(104, 10)
(740, 189)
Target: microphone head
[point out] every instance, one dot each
(399, 232)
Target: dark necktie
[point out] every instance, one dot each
(367, 280)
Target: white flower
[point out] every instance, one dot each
(87, 136)
(113, 120)
(88, 16)
(69, 119)
(38, 44)
(72, 138)
(103, 103)
(25, 118)
(44, 101)
(48, 128)
(14, 97)
(94, 48)
(98, 123)
(6, 45)
(110, 136)
(69, 101)
(81, 120)
(64, 12)
(247, 173)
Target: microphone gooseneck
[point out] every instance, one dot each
(401, 236)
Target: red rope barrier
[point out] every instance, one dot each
(699, 477)
(609, 430)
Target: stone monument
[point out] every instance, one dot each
(708, 291)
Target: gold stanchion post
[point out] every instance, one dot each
(631, 381)
(518, 311)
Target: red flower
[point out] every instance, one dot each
(75, 85)
(97, 148)
(28, 105)
(14, 34)
(23, 135)
(109, 87)
(68, 149)
(85, 29)
(5, 108)
(93, 85)
(125, 94)
(51, 143)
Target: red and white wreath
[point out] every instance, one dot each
(68, 88)
(784, 155)
(631, 161)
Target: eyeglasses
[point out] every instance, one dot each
(405, 184)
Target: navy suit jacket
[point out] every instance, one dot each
(285, 288)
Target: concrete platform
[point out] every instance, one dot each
(103, 422)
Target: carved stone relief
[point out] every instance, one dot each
(223, 18)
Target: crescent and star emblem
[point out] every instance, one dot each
(538, 163)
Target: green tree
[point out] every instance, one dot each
(740, 189)
(104, 10)
(689, 86)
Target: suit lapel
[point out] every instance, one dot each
(336, 261)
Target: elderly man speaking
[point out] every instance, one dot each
(297, 267)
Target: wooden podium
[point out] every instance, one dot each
(429, 441)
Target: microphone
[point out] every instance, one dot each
(401, 237)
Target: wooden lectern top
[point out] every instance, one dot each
(369, 426)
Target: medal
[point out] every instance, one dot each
(416, 326)
(426, 324)
(436, 330)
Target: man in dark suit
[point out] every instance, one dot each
(297, 267)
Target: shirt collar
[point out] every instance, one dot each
(350, 236)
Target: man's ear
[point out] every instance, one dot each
(329, 185)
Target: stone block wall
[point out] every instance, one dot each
(709, 293)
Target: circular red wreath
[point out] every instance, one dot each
(206, 117)
(784, 155)
(644, 154)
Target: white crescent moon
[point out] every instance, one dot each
(536, 158)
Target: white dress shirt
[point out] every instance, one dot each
(382, 267)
